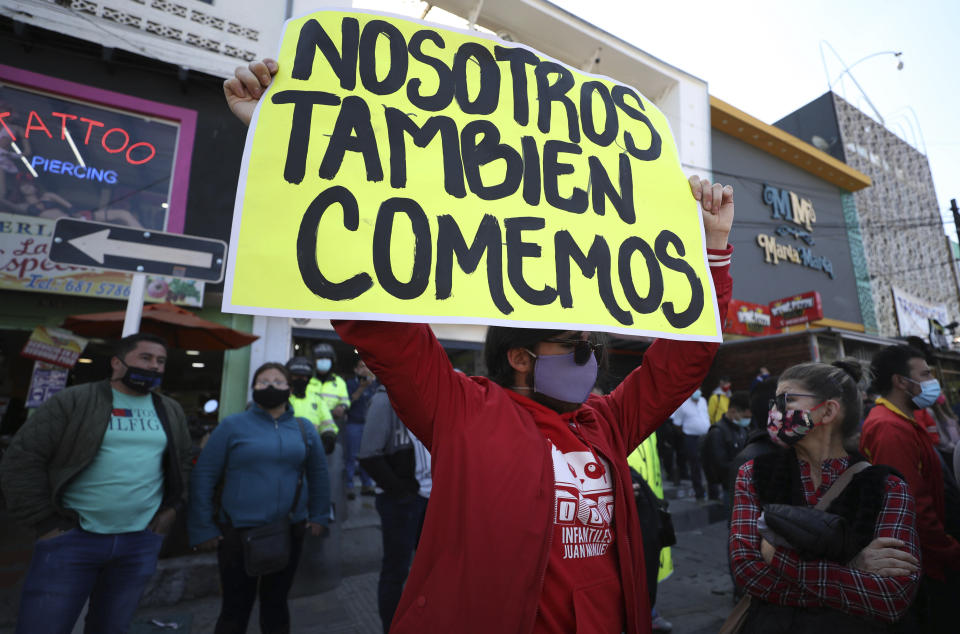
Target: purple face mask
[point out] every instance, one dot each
(558, 376)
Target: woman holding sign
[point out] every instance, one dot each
(530, 526)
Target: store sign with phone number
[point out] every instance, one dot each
(24, 266)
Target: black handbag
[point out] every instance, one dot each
(266, 549)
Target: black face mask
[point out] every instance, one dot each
(140, 380)
(299, 386)
(270, 397)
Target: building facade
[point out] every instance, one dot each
(908, 257)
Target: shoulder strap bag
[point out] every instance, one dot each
(738, 617)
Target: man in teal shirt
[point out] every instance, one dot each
(97, 472)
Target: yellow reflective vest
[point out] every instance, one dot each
(333, 392)
(315, 410)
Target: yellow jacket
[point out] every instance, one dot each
(717, 406)
(314, 409)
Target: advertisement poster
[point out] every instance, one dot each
(749, 319)
(54, 346)
(46, 381)
(798, 309)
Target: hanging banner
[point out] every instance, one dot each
(47, 380)
(54, 345)
(399, 171)
(797, 309)
(747, 318)
(914, 313)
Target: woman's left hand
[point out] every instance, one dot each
(716, 201)
(767, 551)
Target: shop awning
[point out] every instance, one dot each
(178, 326)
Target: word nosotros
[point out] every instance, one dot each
(530, 170)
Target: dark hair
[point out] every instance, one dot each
(724, 379)
(128, 343)
(741, 400)
(890, 361)
(837, 380)
(500, 339)
(760, 396)
(270, 365)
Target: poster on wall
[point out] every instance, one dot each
(47, 380)
(914, 313)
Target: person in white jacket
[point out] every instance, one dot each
(694, 421)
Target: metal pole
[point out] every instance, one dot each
(131, 321)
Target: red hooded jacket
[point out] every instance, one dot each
(483, 553)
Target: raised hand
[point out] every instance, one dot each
(247, 85)
(716, 202)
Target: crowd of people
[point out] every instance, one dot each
(514, 490)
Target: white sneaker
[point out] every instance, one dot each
(661, 624)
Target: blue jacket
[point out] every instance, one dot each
(258, 459)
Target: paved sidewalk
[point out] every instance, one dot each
(351, 608)
(696, 598)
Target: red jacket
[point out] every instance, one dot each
(890, 438)
(483, 552)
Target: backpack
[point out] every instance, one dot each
(711, 470)
(656, 528)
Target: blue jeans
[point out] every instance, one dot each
(111, 570)
(352, 447)
(400, 522)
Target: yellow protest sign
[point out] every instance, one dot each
(399, 171)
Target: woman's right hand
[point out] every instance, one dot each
(210, 544)
(247, 85)
(885, 556)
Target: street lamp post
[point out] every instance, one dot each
(847, 69)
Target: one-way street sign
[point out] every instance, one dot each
(119, 248)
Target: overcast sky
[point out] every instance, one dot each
(764, 57)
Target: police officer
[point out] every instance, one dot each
(328, 385)
(310, 405)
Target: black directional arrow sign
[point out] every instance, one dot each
(117, 248)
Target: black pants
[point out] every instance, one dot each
(691, 453)
(240, 590)
(400, 524)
